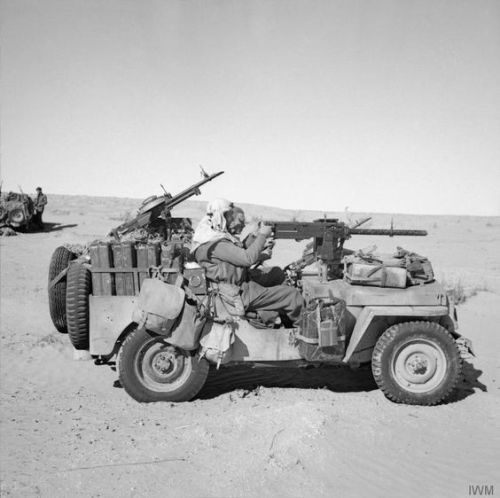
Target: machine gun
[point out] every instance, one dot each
(327, 247)
(155, 206)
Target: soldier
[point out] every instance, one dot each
(39, 204)
(264, 275)
(225, 260)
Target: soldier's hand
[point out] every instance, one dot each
(265, 230)
(270, 243)
(265, 255)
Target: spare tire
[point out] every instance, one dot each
(57, 293)
(79, 286)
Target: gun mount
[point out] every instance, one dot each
(154, 213)
(327, 247)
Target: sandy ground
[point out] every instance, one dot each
(68, 429)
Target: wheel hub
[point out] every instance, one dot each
(419, 366)
(161, 364)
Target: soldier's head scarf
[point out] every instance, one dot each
(213, 226)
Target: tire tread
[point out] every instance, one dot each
(60, 260)
(77, 305)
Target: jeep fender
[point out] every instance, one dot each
(364, 334)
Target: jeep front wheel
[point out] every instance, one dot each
(152, 370)
(417, 363)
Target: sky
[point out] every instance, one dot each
(375, 105)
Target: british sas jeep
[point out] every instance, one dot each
(138, 298)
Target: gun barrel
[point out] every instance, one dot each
(300, 230)
(154, 208)
(192, 190)
(387, 231)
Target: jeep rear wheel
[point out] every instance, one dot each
(417, 363)
(77, 305)
(152, 370)
(57, 292)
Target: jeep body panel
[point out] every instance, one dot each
(432, 294)
(109, 316)
(254, 344)
(371, 310)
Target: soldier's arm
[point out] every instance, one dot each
(225, 250)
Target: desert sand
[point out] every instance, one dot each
(68, 429)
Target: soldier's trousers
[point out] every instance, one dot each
(37, 219)
(280, 298)
(267, 276)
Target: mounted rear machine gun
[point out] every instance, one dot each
(154, 218)
(117, 267)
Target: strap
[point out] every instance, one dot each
(383, 274)
(303, 338)
(59, 277)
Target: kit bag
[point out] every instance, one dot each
(399, 270)
(419, 268)
(158, 306)
(216, 342)
(375, 274)
(322, 331)
(375, 270)
(167, 310)
(186, 331)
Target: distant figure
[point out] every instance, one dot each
(39, 203)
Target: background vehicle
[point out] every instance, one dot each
(16, 210)
(360, 309)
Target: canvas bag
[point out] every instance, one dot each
(216, 343)
(419, 268)
(158, 306)
(187, 328)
